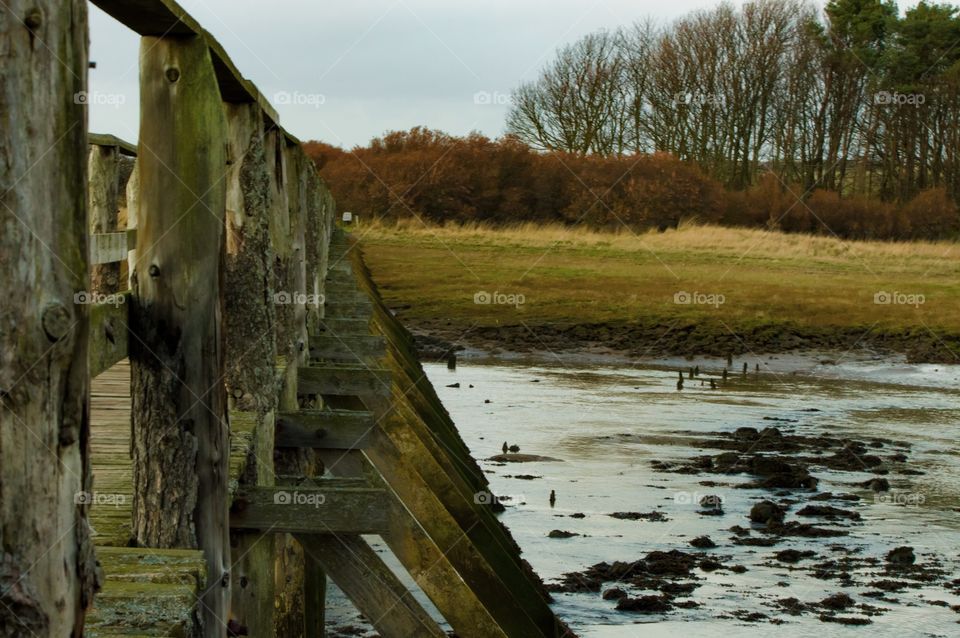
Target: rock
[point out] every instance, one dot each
(454, 385)
(710, 565)
(769, 465)
(793, 555)
(711, 501)
(828, 511)
(745, 434)
(876, 484)
(644, 604)
(837, 602)
(657, 517)
(703, 542)
(559, 533)
(614, 594)
(520, 458)
(766, 511)
(901, 556)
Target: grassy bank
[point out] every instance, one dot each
(695, 290)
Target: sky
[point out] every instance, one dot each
(347, 72)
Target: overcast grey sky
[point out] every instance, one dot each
(345, 72)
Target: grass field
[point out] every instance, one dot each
(743, 280)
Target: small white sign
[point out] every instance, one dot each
(348, 217)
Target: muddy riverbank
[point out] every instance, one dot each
(682, 339)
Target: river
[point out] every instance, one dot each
(608, 424)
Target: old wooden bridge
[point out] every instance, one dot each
(206, 408)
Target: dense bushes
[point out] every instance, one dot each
(439, 177)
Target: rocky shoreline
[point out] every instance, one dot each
(783, 463)
(435, 339)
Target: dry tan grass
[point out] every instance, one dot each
(580, 275)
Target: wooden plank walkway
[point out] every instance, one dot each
(146, 592)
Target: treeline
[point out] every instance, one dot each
(854, 99)
(437, 177)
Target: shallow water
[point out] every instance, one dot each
(607, 424)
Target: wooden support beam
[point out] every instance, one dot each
(310, 510)
(47, 571)
(180, 431)
(344, 326)
(101, 139)
(348, 308)
(343, 379)
(109, 331)
(428, 561)
(351, 349)
(108, 248)
(327, 429)
(370, 584)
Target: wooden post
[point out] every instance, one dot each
(251, 349)
(103, 201)
(180, 432)
(47, 570)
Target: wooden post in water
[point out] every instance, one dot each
(180, 432)
(47, 569)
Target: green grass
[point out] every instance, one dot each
(573, 276)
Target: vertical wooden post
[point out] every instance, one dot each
(314, 594)
(103, 169)
(133, 211)
(180, 432)
(47, 571)
(251, 348)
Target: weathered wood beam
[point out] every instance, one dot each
(351, 349)
(47, 571)
(358, 308)
(249, 322)
(327, 429)
(103, 207)
(310, 510)
(101, 139)
(180, 431)
(108, 248)
(370, 584)
(109, 332)
(343, 379)
(344, 326)
(166, 18)
(427, 560)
